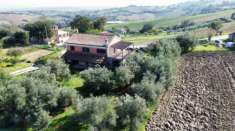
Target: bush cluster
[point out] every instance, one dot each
(17, 39)
(27, 102)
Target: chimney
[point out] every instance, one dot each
(106, 41)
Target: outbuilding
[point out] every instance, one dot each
(229, 44)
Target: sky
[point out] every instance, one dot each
(13, 4)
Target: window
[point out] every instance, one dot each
(72, 48)
(87, 50)
(101, 51)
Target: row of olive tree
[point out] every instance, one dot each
(27, 102)
(107, 113)
(139, 81)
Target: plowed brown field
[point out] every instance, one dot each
(203, 98)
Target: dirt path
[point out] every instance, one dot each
(33, 56)
(203, 99)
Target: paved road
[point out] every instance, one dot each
(23, 71)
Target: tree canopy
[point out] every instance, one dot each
(28, 102)
(81, 23)
(146, 28)
(19, 38)
(99, 23)
(40, 30)
(186, 42)
(233, 16)
(216, 26)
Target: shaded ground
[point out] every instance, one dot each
(204, 96)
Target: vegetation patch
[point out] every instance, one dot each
(208, 48)
(75, 81)
(145, 39)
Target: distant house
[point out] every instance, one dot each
(231, 36)
(85, 50)
(60, 36)
(229, 44)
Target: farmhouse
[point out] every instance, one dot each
(85, 50)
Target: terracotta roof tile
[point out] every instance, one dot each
(87, 39)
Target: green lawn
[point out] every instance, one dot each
(15, 67)
(10, 64)
(74, 82)
(142, 39)
(207, 48)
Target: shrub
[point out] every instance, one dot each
(186, 43)
(9, 42)
(4, 77)
(21, 38)
(15, 52)
(155, 31)
(233, 16)
(146, 28)
(17, 39)
(4, 33)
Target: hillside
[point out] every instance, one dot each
(8, 18)
(135, 13)
(171, 21)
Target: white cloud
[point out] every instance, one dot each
(81, 3)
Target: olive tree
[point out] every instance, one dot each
(166, 47)
(97, 112)
(216, 26)
(147, 88)
(186, 42)
(60, 69)
(28, 102)
(98, 79)
(131, 112)
(123, 76)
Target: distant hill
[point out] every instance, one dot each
(175, 20)
(136, 13)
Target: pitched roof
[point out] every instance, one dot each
(121, 45)
(89, 40)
